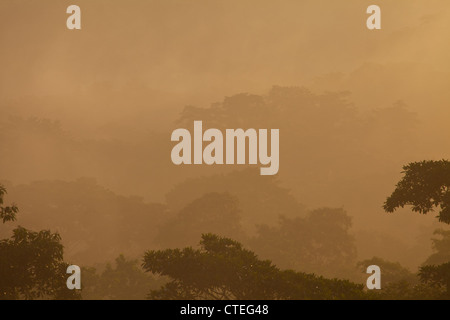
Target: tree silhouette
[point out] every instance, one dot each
(78, 210)
(223, 269)
(425, 186)
(7, 213)
(31, 264)
(438, 277)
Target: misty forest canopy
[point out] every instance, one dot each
(315, 127)
(425, 186)
(228, 204)
(319, 242)
(223, 269)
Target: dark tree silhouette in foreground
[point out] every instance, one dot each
(437, 277)
(424, 186)
(223, 269)
(31, 264)
(7, 213)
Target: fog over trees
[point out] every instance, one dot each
(86, 176)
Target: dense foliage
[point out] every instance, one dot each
(31, 264)
(223, 269)
(425, 186)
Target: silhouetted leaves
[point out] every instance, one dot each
(425, 186)
(7, 213)
(223, 269)
(438, 277)
(32, 265)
